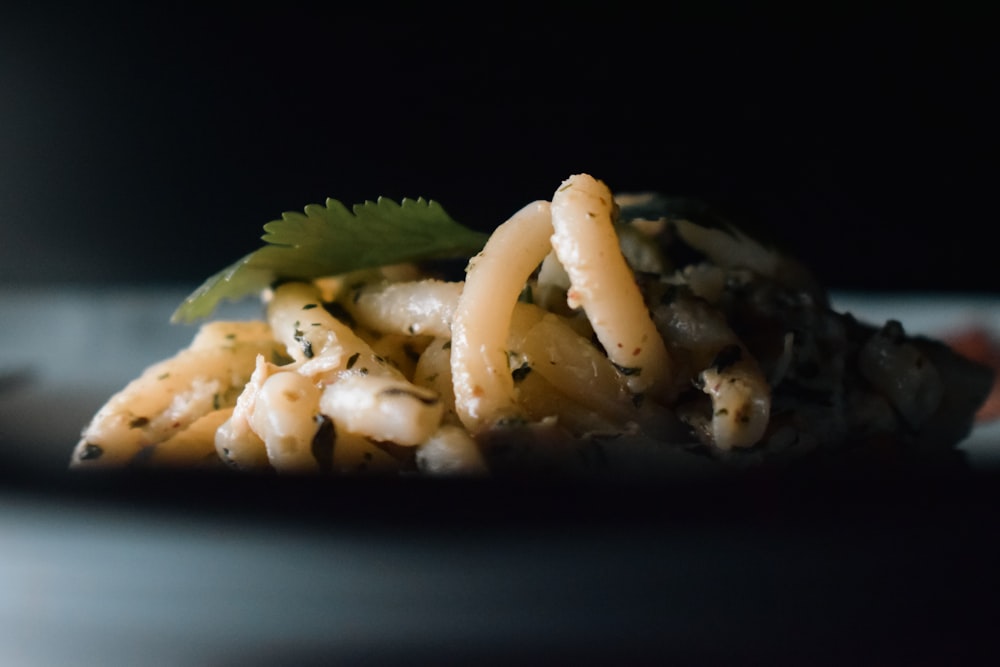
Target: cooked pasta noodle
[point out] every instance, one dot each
(236, 442)
(418, 307)
(193, 447)
(171, 395)
(481, 374)
(383, 408)
(602, 283)
(284, 417)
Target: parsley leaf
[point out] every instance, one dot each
(332, 239)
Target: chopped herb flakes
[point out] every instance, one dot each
(426, 399)
(90, 452)
(299, 336)
(627, 370)
(521, 372)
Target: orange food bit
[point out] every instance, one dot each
(980, 345)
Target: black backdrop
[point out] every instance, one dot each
(151, 145)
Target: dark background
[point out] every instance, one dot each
(150, 145)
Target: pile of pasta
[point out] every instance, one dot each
(580, 339)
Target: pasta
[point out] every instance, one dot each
(480, 366)
(576, 341)
(586, 244)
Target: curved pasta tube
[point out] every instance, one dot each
(324, 347)
(383, 408)
(352, 453)
(238, 446)
(571, 363)
(711, 354)
(172, 394)
(194, 446)
(741, 398)
(236, 442)
(285, 418)
(544, 401)
(412, 307)
(484, 389)
(451, 451)
(602, 284)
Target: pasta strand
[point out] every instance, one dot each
(484, 389)
(603, 285)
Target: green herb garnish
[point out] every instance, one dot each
(332, 239)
